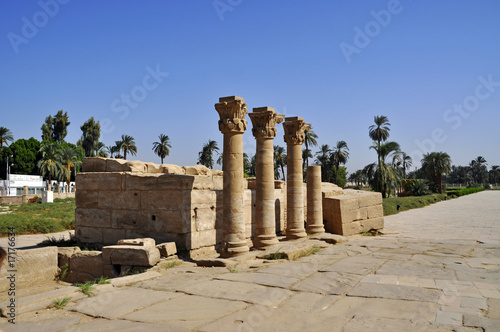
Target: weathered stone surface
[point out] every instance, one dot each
(197, 170)
(238, 291)
(142, 242)
(361, 265)
(167, 249)
(33, 267)
(110, 236)
(328, 283)
(488, 325)
(100, 181)
(190, 311)
(131, 255)
(375, 223)
(329, 238)
(86, 198)
(294, 269)
(263, 279)
(89, 262)
(123, 326)
(126, 200)
(202, 239)
(88, 234)
(216, 262)
(383, 308)
(94, 165)
(396, 292)
(360, 323)
(64, 254)
(121, 302)
(172, 169)
(375, 211)
(92, 217)
(41, 325)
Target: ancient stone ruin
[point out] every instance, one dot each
(208, 211)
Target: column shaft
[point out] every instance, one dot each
(294, 195)
(314, 201)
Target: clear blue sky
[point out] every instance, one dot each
(424, 64)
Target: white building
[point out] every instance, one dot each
(14, 186)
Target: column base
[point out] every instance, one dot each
(264, 241)
(235, 249)
(295, 233)
(315, 229)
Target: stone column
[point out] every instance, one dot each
(232, 111)
(294, 137)
(314, 201)
(2, 189)
(25, 194)
(264, 121)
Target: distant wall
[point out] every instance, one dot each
(17, 200)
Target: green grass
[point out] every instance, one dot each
(463, 191)
(60, 303)
(102, 281)
(172, 264)
(410, 202)
(33, 218)
(87, 288)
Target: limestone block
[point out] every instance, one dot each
(152, 167)
(166, 199)
(352, 228)
(90, 262)
(203, 182)
(206, 197)
(86, 198)
(172, 169)
(218, 182)
(217, 172)
(166, 221)
(375, 211)
(375, 223)
(203, 218)
(78, 276)
(251, 183)
(127, 219)
(130, 200)
(88, 234)
(92, 217)
(279, 184)
(197, 170)
(111, 236)
(131, 255)
(34, 267)
(100, 181)
(202, 239)
(120, 165)
(64, 254)
(110, 271)
(172, 181)
(342, 202)
(167, 249)
(141, 181)
(142, 242)
(94, 165)
(366, 198)
(348, 216)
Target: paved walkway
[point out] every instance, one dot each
(440, 273)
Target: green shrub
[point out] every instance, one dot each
(418, 187)
(411, 202)
(464, 191)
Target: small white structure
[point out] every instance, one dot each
(14, 186)
(47, 197)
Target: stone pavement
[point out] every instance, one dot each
(441, 272)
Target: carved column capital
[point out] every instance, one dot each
(232, 111)
(294, 128)
(264, 121)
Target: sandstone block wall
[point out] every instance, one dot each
(353, 212)
(117, 199)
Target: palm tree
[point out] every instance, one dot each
(127, 144)
(50, 164)
(380, 130)
(323, 159)
(162, 148)
(478, 169)
(435, 164)
(100, 149)
(494, 174)
(205, 156)
(5, 136)
(306, 154)
(382, 176)
(339, 155)
(279, 161)
(309, 139)
(69, 159)
(406, 162)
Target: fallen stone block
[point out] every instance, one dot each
(167, 249)
(64, 254)
(88, 262)
(131, 255)
(144, 242)
(329, 238)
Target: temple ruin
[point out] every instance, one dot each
(208, 211)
